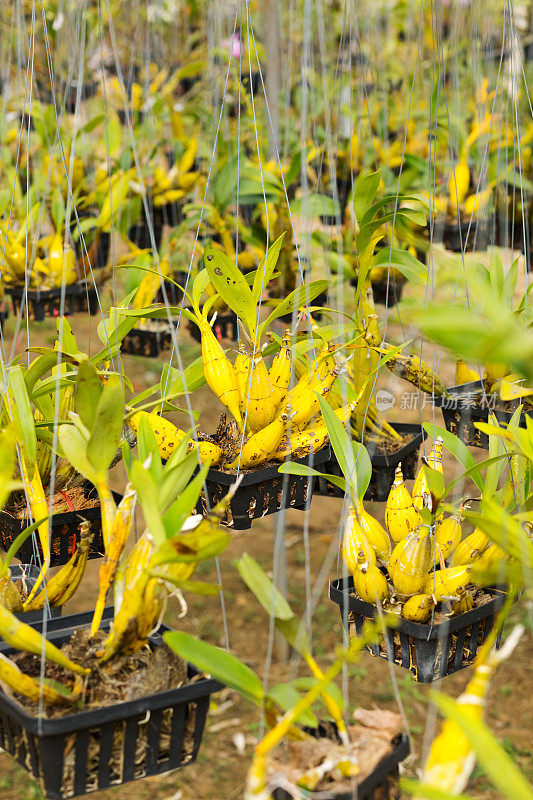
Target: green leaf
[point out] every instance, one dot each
(106, 432)
(494, 471)
(146, 489)
(492, 757)
(116, 334)
(87, 393)
(435, 481)
(285, 697)
(148, 449)
(265, 271)
(223, 666)
(177, 473)
(315, 205)
(74, 445)
(296, 299)
(21, 538)
(306, 683)
(457, 448)
(93, 123)
(411, 786)
(292, 468)
(114, 201)
(196, 587)
(365, 188)
(262, 587)
(294, 634)
(411, 268)
(505, 530)
(199, 285)
(182, 507)
(7, 463)
(19, 407)
(352, 457)
(230, 284)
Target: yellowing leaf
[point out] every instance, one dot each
(477, 131)
(459, 183)
(477, 202)
(512, 391)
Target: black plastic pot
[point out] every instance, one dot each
(148, 343)
(70, 92)
(429, 652)
(512, 233)
(152, 734)
(383, 466)
(263, 491)
(97, 242)
(28, 573)
(392, 296)
(65, 528)
(381, 784)
(174, 295)
(224, 327)
(139, 233)
(79, 296)
(466, 237)
(460, 412)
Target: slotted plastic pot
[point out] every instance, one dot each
(466, 237)
(262, 491)
(381, 784)
(392, 296)
(79, 296)
(224, 327)
(429, 652)
(461, 413)
(71, 755)
(65, 530)
(383, 466)
(139, 233)
(146, 342)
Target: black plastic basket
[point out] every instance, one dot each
(174, 295)
(460, 414)
(263, 491)
(153, 734)
(511, 233)
(390, 298)
(224, 327)
(381, 784)
(145, 342)
(65, 529)
(429, 652)
(383, 466)
(466, 237)
(79, 296)
(139, 233)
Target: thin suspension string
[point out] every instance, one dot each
(517, 139)
(285, 192)
(483, 168)
(27, 94)
(393, 676)
(61, 321)
(263, 191)
(175, 346)
(70, 193)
